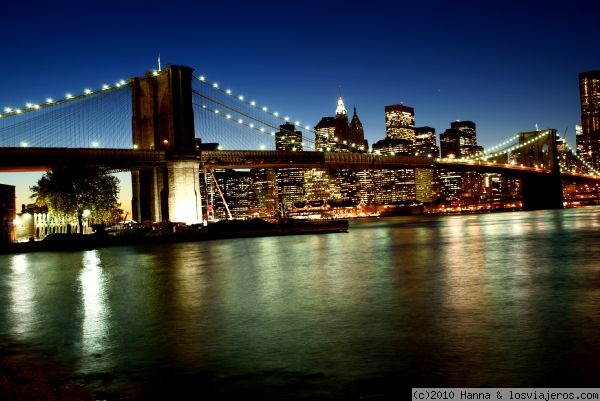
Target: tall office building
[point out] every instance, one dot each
(425, 142)
(399, 131)
(288, 138)
(588, 143)
(460, 140)
(335, 134)
(290, 181)
(400, 122)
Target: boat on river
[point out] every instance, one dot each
(170, 233)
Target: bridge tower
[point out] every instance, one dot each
(541, 191)
(163, 119)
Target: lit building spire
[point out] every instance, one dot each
(341, 109)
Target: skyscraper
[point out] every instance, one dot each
(288, 138)
(588, 143)
(290, 181)
(399, 131)
(460, 140)
(400, 122)
(335, 134)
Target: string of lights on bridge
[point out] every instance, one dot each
(251, 103)
(245, 123)
(69, 97)
(494, 151)
(578, 157)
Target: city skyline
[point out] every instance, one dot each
(505, 67)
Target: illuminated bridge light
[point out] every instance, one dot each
(87, 91)
(215, 85)
(264, 109)
(228, 116)
(8, 110)
(241, 97)
(276, 114)
(122, 82)
(201, 78)
(68, 96)
(49, 100)
(228, 91)
(105, 87)
(253, 103)
(18, 111)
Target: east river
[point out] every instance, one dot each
(489, 300)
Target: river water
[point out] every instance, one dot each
(500, 300)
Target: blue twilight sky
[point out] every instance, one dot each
(506, 65)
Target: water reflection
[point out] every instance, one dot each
(96, 313)
(459, 301)
(22, 293)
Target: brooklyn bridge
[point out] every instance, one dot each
(158, 127)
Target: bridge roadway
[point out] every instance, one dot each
(20, 159)
(41, 159)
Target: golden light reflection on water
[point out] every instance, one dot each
(22, 294)
(94, 327)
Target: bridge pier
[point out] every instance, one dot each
(184, 201)
(542, 192)
(148, 194)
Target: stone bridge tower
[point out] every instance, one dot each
(163, 119)
(540, 191)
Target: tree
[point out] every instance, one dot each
(74, 189)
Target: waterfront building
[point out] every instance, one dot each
(264, 197)
(426, 184)
(588, 142)
(7, 213)
(393, 186)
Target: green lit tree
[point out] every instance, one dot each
(71, 190)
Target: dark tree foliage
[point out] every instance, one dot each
(71, 190)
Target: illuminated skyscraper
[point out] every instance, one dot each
(460, 140)
(588, 143)
(400, 122)
(288, 138)
(290, 181)
(335, 134)
(399, 131)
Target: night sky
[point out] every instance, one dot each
(506, 65)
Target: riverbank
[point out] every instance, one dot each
(28, 374)
(171, 233)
